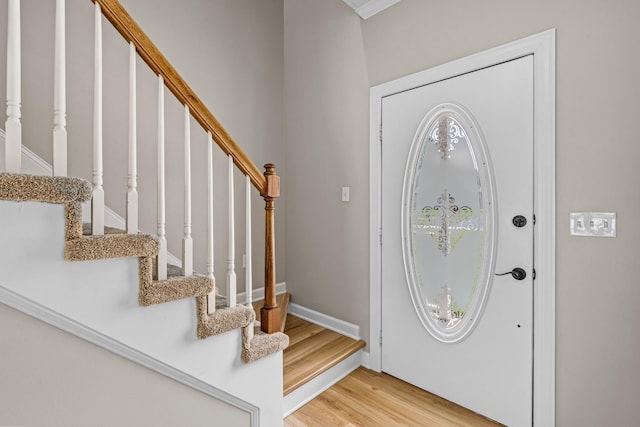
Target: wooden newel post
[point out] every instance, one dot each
(270, 312)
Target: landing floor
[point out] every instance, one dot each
(369, 399)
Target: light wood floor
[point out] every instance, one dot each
(312, 350)
(370, 399)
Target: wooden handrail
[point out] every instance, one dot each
(131, 31)
(268, 184)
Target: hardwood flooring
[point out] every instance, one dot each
(370, 399)
(312, 350)
(364, 398)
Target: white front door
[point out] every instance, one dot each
(456, 210)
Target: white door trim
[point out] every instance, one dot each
(542, 46)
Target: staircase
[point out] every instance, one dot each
(40, 219)
(283, 303)
(115, 287)
(316, 359)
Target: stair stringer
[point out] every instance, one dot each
(98, 301)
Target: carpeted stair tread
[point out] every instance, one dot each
(176, 286)
(223, 319)
(118, 245)
(80, 245)
(261, 345)
(255, 344)
(42, 188)
(71, 192)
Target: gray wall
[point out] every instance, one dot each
(330, 56)
(49, 377)
(231, 53)
(327, 119)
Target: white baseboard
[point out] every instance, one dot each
(258, 293)
(304, 394)
(32, 164)
(340, 326)
(366, 359)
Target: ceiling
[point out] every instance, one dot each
(368, 8)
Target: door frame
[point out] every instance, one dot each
(542, 47)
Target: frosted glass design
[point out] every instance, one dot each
(448, 222)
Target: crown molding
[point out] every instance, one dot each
(367, 8)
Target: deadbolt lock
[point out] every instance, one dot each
(519, 221)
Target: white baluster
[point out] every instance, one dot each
(248, 272)
(132, 176)
(210, 267)
(97, 202)
(231, 273)
(13, 127)
(187, 241)
(59, 95)
(162, 238)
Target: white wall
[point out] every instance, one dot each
(49, 377)
(597, 150)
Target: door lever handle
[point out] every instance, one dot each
(517, 273)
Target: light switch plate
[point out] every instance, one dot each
(345, 194)
(592, 224)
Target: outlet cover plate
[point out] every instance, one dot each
(592, 224)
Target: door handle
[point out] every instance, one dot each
(517, 273)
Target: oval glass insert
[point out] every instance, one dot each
(448, 222)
